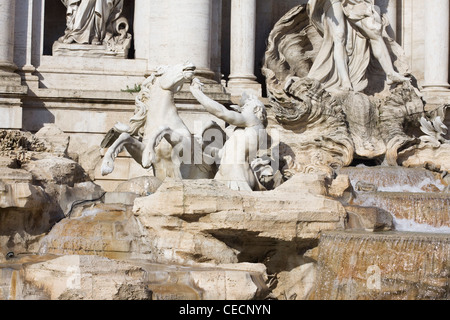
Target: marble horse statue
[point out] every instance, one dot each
(156, 136)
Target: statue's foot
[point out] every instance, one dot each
(346, 86)
(396, 78)
(69, 40)
(96, 42)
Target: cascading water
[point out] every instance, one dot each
(395, 179)
(412, 262)
(383, 266)
(432, 209)
(8, 284)
(416, 198)
(12, 283)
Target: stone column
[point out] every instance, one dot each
(436, 45)
(10, 82)
(180, 31)
(389, 9)
(242, 51)
(25, 10)
(7, 15)
(392, 16)
(142, 9)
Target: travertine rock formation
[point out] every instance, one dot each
(90, 277)
(203, 221)
(38, 185)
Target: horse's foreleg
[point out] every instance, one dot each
(149, 153)
(133, 146)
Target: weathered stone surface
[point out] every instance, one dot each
(24, 214)
(55, 170)
(126, 198)
(202, 220)
(7, 162)
(38, 186)
(87, 278)
(142, 186)
(436, 159)
(55, 140)
(90, 277)
(341, 188)
(213, 282)
(21, 195)
(87, 157)
(67, 197)
(14, 140)
(382, 266)
(108, 230)
(296, 284)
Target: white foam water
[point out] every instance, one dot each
(418, 188)
(414, 189)
(408, 225)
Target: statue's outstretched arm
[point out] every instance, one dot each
(215, 108)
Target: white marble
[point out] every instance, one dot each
(436, 44)
(142, 32)
(242, 51)
(11, 115)
(245, 134)
(337, 22)
(169, 32)
(389, 9)
(7, 17)
(392, 17)
(91, 22)
(167, 143)
(179, 31)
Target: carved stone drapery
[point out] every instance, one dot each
(332, 125)
(94, 28)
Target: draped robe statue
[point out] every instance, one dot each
(91, 21)
(350, 28)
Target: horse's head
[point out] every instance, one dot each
(173, 77)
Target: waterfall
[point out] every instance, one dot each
(432, 209)
(415, 197)
(395, 179)
(388, 266)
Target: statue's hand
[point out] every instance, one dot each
(197, 84)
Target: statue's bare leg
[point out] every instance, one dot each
(379, 48)
(336, 22)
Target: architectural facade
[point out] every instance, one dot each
(226, 40)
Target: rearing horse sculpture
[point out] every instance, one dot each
(156, 136)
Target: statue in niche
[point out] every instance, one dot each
(240, 166)
(95, 22)
(91, 21)
(350, 28)
(156, 136)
